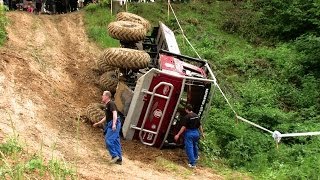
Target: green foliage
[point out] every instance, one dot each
(34, 164)
(3, 23)
(243, 21)
(309, 47)
(59, 170)
(288, 19)
(274, 86)
(15, 163)
(11, 146)
(274, 19)
(104, 3)
(97, 18)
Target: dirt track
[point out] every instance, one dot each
(46, 80)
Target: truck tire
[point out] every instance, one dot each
(103, 66)
(125, 16)
(126, 58)
(108, 81)
(95, 112)
(126, 31)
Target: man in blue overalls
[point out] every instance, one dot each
(111, 128)
(191, 126)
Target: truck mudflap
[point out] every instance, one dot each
(123, 97)
(152, 108)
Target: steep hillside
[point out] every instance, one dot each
(47, 75)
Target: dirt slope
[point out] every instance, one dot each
(46, 80)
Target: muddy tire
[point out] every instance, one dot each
(108, 81)
(126, 31)
(95, 112)
(126, 58)
(125, 16)
(103, 66)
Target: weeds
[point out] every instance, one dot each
(3, 23)
(97, 19)
(16, 163)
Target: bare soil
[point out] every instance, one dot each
(47, 79)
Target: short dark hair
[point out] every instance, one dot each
(189, 107)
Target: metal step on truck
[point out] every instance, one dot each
(152, 81)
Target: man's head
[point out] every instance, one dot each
(106, 96)
(188, 108)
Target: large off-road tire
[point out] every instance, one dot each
(103, 66)
(127, 31)
(95, 112)
(126, 58)
(108, 81)
(125, 16)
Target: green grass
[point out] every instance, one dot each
(3, 23)
(177, 169)
(266, 84)
(16, 163)
(96, 20)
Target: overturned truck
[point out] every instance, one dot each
(152, 81)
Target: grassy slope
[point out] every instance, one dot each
(258, 81)
(97, 19)
(255, 79)
(3, 22)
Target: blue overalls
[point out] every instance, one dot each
(191, 138)
(112, 139)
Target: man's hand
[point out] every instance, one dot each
(114, 127)
(176, 137)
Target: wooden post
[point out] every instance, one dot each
(111, 7)
(168, 9)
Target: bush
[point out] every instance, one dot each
(309, 47)
(273, 20)
(287, 20)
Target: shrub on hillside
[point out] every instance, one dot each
(274, 20)
(309, 47)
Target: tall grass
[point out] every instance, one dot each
(97, 17)
(3, 23)
(17, 163)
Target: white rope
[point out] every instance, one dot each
(185, 37)
(300, 134)
(253, 124)
(200, 58)
(276, 134)
(226, 99)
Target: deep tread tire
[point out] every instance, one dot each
(95, 112)
(103, 66)
(127, 31)
(125, 16)
(108, 81)
(126, 58)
